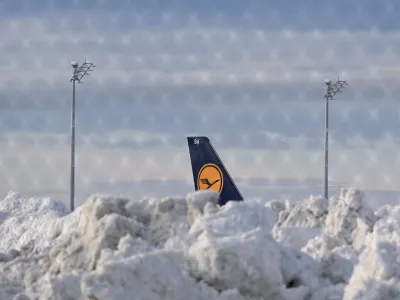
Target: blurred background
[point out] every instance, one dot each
(247, 74)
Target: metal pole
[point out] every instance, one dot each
(79, 72)
(331, 91)
(326, 140)
(72, 177)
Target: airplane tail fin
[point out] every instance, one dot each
(209, 173)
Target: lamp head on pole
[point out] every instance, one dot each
(81, 70)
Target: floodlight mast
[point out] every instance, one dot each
(79, 72)
(330, 91)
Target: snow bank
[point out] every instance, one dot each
(189, 247)
(24, 220)
(377, 275)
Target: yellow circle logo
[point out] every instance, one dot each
(210, 178)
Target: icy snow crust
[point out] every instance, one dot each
(190, 248)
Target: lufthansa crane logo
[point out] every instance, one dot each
(210, 178)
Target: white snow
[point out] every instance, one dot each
(190, 248)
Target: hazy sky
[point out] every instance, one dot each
(249, 74)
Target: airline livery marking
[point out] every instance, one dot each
(210, 178)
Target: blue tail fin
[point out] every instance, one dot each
(209, 173)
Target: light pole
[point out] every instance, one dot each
(79, 72)
(330, 92)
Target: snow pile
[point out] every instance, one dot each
(180, 248)
(300, 222)
(377, 275)
(349, 218)
(25, 220)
